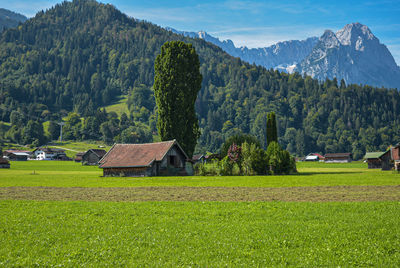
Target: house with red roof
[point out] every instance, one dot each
(150, 159)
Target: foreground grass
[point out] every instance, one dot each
(70, 174)
(48, 233)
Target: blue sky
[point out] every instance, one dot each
(255, 23)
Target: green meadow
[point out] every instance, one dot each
(196, 233)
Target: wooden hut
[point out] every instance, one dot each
(4, 163)
(78, 156)
(338, 158)
(396, 156)
(373, 159)
(149, 159)
(92, 156)
(386, 160)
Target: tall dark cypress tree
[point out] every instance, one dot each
(272, 132)
(177, 82)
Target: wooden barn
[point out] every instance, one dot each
(373, 159)
(4, 163)
(338, 158)
(149, 159)
(92, 157)
(16, 155)
(386, 159)
(396, 156)
(78, 156)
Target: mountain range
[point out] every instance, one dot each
(9, 19)
(353, 54)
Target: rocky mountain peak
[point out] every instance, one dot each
(329, 39)
(356, 35)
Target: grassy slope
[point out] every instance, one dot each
(119, 107)
(70, 174)
(199, 234)
(72, 147)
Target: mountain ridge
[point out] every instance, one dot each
(353, 54)
(296, 55)
(9, 19)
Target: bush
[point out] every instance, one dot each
(280, 161)
(238, 140)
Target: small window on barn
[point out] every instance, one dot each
(172, 160)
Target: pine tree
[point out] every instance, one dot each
(272, 132)
(177, 82)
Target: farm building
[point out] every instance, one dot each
(396, 156)
(47, 153)
(78, 157)
(386, 160)
(373, 159)
(16, 155)
(4, 163)
(149, 159)
(198, 158)
(92, 156)
(314, 157)
(338, 158)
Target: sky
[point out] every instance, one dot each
(255, 23)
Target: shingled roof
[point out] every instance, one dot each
(137, 155)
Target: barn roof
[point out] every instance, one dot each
(334, 155)
(373, 155)
(99, 152)
(137, 155)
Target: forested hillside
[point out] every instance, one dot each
(81, 55)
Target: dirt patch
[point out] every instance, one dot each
(241, 194)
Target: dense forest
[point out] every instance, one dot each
(80, 56)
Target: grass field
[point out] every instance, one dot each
(80, 219)
(70, 174)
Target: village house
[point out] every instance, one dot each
(47, 153)
(149, 159)
(396, 156)
(338, 158)
(4, 163)
(314, 157)
(373, 159)
(16, 155)
(93, 156)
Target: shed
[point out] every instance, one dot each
(373, 159)
(4, 163)
(198, 158)
(92, 156)
(149, 159)
(78, 156)
(16, 155)
(386, 160)
(338, 158)
(396, 156)
(311, 157)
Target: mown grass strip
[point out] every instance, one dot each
(178, 234)
(226, 194)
